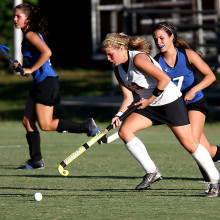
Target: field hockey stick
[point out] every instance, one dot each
(110, 139)
(89, 143)
(3, 50)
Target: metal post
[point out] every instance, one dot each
(114, 21)
(176, 16)
(17, 39)
(96, 27)
(114, 29)
(126, 4)
(217, 8)
(200, 30)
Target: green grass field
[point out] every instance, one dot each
(102, 180)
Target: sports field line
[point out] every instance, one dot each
(10, 146)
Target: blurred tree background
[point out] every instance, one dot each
(6, 26)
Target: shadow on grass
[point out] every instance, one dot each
(167, 192)
(96, 177)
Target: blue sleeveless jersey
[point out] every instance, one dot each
(44, 71)
(181, 74)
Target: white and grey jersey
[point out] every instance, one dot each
(144, 84)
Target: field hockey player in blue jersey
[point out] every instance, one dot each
(161, 103)
(179, 62)
(44, 94)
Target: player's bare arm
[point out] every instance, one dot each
(126, 102)
(144, 64)
(203, 68)
(44, 50)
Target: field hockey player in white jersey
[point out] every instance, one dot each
(161, 103)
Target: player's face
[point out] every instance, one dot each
(115, 56)
(20, 19)
(162, 40)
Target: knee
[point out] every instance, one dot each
(25, 122)
(190, 145)
(44, 126)
(122, 133)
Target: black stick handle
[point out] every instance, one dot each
(125, 115)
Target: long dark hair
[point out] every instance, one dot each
(36, 22)
(169, 29)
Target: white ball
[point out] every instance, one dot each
(38, 196)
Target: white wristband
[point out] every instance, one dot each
(119, 114)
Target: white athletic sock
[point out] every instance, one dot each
(203, 158)
(138, 150)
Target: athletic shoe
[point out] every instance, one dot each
(92, 127)
(149, 179)
(33, 164)
(213, 190)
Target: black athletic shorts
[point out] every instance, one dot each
(173, 114)
(46, 92)
(200, 105)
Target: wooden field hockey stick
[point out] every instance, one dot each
(89, 143)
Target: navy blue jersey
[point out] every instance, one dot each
(181, 74)
(44, 71)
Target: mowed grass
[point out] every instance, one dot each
(101, 182)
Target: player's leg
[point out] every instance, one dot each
(136, 122)
(201, 156)
(216, 156)
(45, 117)
(89, 127)
(29, 118)
(197, 121)
(33, 137)
(47, 123)
(46, 97)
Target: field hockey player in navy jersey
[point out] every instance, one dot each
(179, 62)
(44, 95)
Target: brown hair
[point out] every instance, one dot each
(115, 40)
(36, 22)
(169, 29)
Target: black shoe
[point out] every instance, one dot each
(92, 128)
(213, 190)
(33, 164)
(149, 179)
